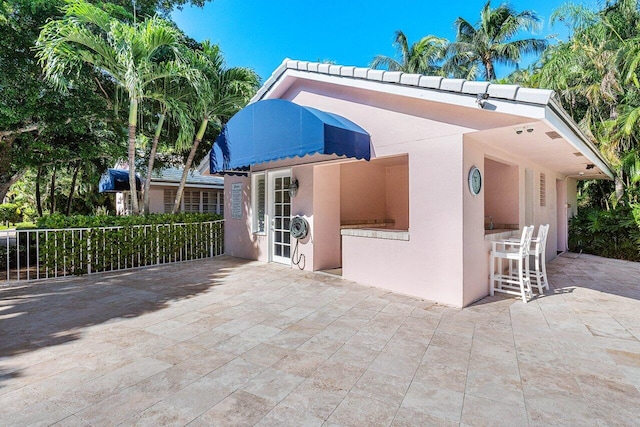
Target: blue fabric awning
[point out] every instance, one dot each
(276, 129)
(116, 180)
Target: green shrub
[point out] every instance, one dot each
(612, 234)
(91, 221)
(10, 212)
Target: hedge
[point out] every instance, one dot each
(83, 244)
(613, 234)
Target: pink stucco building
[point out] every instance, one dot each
(405, 220)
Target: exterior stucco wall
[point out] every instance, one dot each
(501, 203)
(362, 192)
(397, 179)
(476, 252)
(326, 209)
(303, 204)
(476, 247)
(239, 239)
(572, 197)
(156, 199)
(429, 265)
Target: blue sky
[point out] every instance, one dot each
(260, 33)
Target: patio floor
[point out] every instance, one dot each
(232, 342)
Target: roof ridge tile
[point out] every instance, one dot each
(510, 92)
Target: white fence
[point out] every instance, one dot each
(42, 254)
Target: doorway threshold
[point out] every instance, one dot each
(332, 272)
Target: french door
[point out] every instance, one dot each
(280, 214)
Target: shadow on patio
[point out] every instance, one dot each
(42, 314)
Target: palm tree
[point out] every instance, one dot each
(130, 56)
(173, 95)
(422, 57)
(490, 42)
(595, 72)
(222, 93)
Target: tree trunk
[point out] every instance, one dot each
(152, 159)
(491, 73)
(38, 195)
(7, 176)
(187, 166)
(52, 192)
(133, 122)
(619, 181)
(73, 186)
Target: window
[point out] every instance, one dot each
(208, 202)
(219, 201)
(212, 202)
(191, 201)
(258, 202)
(543, 190)
(169, 199)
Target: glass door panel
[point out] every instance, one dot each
(281, 217)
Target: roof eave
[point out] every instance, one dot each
(581, 142)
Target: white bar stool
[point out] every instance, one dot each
(520, 283)
(539, 273)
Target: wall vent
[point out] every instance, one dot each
(553, 134)
(578, 154)
(543, 190)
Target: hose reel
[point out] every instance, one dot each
(299, 229)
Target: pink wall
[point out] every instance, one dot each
(362, 191)
(476, 247)
(239, 241)
(326, 202)
(501, 200)
(429, 265)
(156, 200)
(302, 204)
(562, 215)
(475, 259)
(397, 197)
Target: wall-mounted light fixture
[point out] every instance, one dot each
(481, 98)
(293, 188)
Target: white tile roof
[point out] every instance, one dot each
(194, 178)
(462, 86)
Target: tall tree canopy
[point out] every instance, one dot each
(490, 42)
(595, 73)
(422, 57)
(38, 124)
(133, 56)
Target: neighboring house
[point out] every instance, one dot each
(414, 218)
(201, 193)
